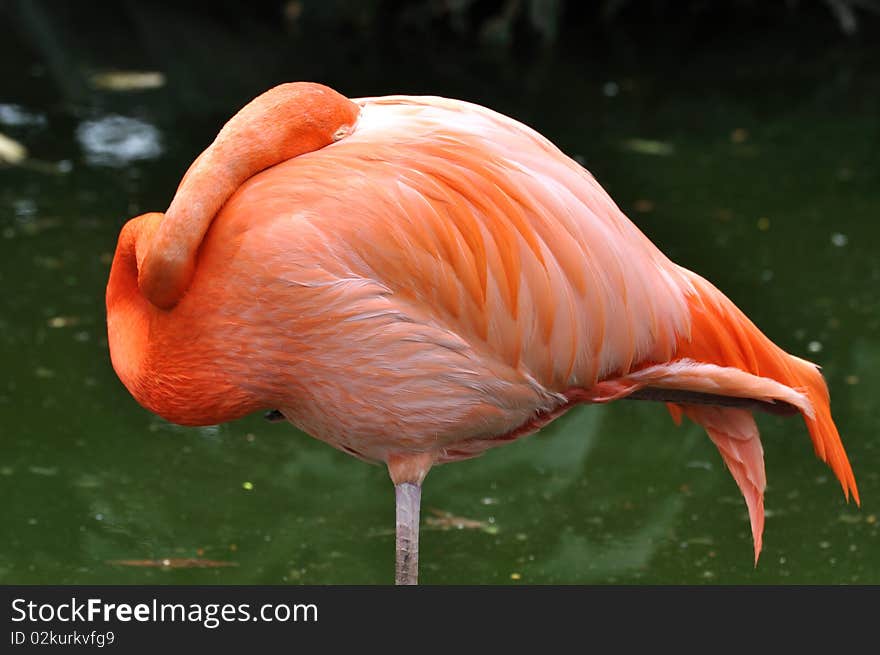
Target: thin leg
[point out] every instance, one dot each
(409, 498)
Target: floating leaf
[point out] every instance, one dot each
(11, 151)
(87, 481)
(43, 470)
(62, 321)
(174, 563)
(446, 521)
(649, 147)
(127, 80)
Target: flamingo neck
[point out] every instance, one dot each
(184, 380)
(129, 314)
(285, 122)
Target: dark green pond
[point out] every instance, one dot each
(755, 165)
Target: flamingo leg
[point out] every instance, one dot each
(409, 498)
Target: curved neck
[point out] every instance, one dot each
(129, 314)
(285, 122)
(162, 371)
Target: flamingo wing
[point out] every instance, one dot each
(463, 262)
(481, 223)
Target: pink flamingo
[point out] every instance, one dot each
(414, 280)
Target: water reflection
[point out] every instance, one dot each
(17, 116)
(118, 140)
(578, 559)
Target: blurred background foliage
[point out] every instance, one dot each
(186, 38)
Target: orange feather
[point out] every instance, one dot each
(415, 280)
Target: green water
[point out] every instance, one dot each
(755, 165)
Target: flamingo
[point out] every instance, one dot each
(415, 280)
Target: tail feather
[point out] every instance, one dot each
(724, 354)
(734, 433)
(722, 335)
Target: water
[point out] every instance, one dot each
(755, 165)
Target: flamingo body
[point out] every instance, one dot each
(421, 281)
